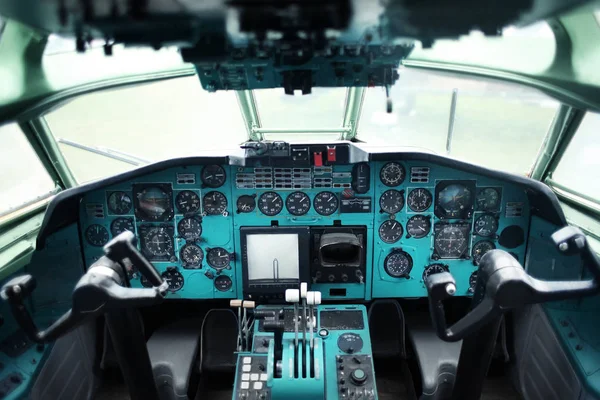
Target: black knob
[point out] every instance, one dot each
(343, 389)
(358, 376)
(342, 381)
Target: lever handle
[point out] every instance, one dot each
(124, 246)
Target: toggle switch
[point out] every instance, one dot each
(318, 159)
(331, 154)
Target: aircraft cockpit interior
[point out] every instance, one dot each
(289, 200)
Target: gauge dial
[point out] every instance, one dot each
(486, 225)
(472, 282)
(120, 225)
(398, 264)
(392, 174)
(218, 258)
(173, 278)
(450, 241)
(479, 249)
(190, 229)
(326, 203)
(119, 203)
(454, 201)
(419, 200)
(187, 202)
(297, 203)
(391, 201)
(434, 269)
(223, 283)
(214, 203)
(488, 199)
(270, 203)
(213, 176)
(390, 231)
(154, 204)
(418, 226)
(158, 242)
(246, 204)
(96, 235)
(191, 256)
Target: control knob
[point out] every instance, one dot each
(358, 376)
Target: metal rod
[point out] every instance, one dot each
(352, 111)
(115, 155)
(451, 121)
(250, 114)
(291, 131)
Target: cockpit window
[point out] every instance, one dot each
(105, 133)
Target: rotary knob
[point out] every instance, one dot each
(358, 376)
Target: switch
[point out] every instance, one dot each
(358, 377)
(331, 154)
(318, 157)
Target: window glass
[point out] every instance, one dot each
(23, 178)
(142, 124)
(497, 124)
(579, 167)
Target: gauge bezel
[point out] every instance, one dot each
(289, 199)
(480, 190)
(114, 211)
(395, 210)
(466, 212)
(144, 230)
(404, 254)
(444, 267)
(320, 210)
(213, 185)
(474, 247)
(225, 278)
(218, 267)
(193, 236)
(387, 222)
(187, 264)
(244, 197)
(102, 231)
(178, 198)
(173, 270)
(427, 218)
(262, 199)
(419, 210)
(223, 202)
(492, 233)
(389, 183)
(140, 214)
(114, 222)
(464, 228)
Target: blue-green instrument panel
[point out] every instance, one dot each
(409, 218)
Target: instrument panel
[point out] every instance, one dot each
(399, 220)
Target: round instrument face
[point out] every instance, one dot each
(488, 199)
(218, 258)
(419, 200)
(190, 229)
(454, 200)
(297, 203)
(191, 256)
(223, 283)
(214, 203)
(245, 204)
(154, 203)
(434, 269)
(96, 235)
(480, 248)
(120, 225)
(350, 343)
(187, 202)
(145, 282)
(392, 174)
(486, 225)
(391, 201)
(119, 203)
(173, 278)
(326, 203)
(450, 242)
(398, 264)
(390, 231)
(418, 226)
(213, 176)
(270, 203)
(472, 282)
(158, 242)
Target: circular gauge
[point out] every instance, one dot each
(96, 235)
(486, 225)
(145, 282)
(398, 264)
(390, 231)
(472, 282)
(120, 225)
(434, 269)
(158, 242)
(270, 203)
(119, 203)
(479, 249)
(245, 204)
(326, 203)
(190, 229)
(187, 202)
(213, 176)
(488, 199)
(391, 201)
(191, 256)
(454, 200)
(350, 343)
(419, 200)
(392, 174)
(218, 258)
(154, 203)
(418, 226)
(223, 283)
(214, 203)
(297, 203)
(450, 242)
(173, 278)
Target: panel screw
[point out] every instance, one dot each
(451, 289)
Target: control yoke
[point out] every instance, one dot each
(102, 288)
(503, 284)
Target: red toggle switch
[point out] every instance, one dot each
(331, 154)
(318, 156)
